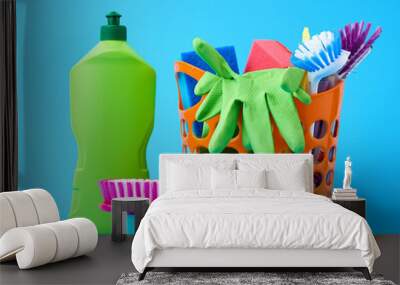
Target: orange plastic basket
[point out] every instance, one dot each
(321, 141)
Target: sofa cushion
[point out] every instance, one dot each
(41, 244)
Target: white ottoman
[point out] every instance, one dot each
(31, 232)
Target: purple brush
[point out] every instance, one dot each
(354, 39)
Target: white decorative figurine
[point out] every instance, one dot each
(347, 174)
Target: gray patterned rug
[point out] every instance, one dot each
(244, 278)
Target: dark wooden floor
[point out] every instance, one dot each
(110, 260)
(103, 266)
(389, 262)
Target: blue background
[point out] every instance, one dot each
(55, 34)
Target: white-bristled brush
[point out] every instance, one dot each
(321, 56)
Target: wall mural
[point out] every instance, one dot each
(283, 102)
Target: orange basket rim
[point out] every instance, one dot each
(196, 73)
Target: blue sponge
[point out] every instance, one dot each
(187, 83)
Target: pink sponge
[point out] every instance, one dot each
(266, 54)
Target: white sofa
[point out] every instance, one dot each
(31, 231)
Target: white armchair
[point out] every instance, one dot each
(31, 230)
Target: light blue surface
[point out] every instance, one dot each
(58, 33)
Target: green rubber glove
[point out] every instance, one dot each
(257, 94)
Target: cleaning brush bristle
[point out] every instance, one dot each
(354, 40)
(321, 56)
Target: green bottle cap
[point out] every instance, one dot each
(113, 31)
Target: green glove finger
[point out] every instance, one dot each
(212, 57)
(226, 126)
(245, 136)
(292, 78)
(206, 130)
(256, 118)
(291, 83)
(287, 119)
(206, 82)
(303, 96)
(211, 105)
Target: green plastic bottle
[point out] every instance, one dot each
(112, 94)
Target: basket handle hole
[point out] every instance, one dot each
(230, 150)
(317, 179)
(334, 128)
(202, 149)
(318, 154)
(184, 128)
(318, 129)
(332, 154)
(199, 130)
(329, 177)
